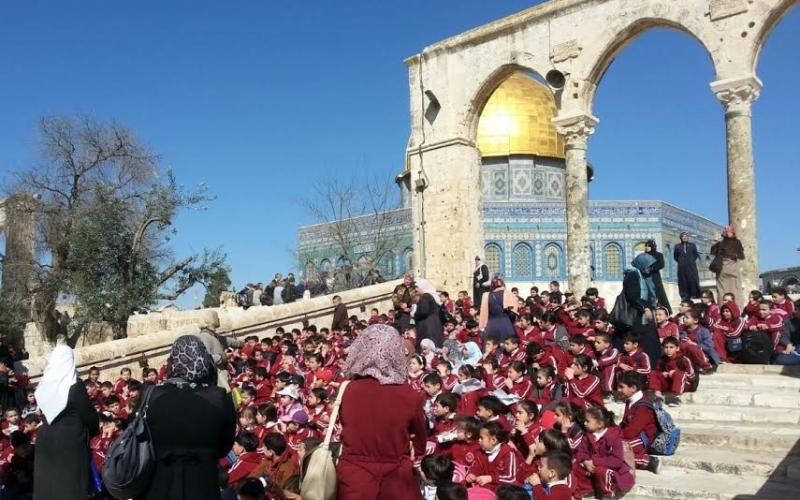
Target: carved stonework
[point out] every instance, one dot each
(576, 129)
(565, 51)
(736, 95)
(720, 9)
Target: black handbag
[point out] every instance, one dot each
(623, 315)
(716, 265)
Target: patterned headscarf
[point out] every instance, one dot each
(379, 352)
(189, 360)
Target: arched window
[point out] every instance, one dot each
(552, 260)
(342, 261)
(522, 261)
(386, 265)
(639, 248)
(325, 266)
(612, 256)
(408, 260)
(493, 258)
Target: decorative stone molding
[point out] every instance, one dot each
(721, 9)
(576, 129)
(737, 94)
(565, 51)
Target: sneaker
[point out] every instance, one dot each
(674, 401)
(654, 465)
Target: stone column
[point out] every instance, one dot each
(576, 131)
(737, 96)
(446, 212)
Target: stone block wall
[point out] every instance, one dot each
(151, 336)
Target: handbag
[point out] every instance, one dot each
(319, 481)
(131, 459)
(716, 265)
(622, 315)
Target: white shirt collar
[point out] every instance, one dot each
(560, 481)
(636, 397)
(599, 435)
(493, 454)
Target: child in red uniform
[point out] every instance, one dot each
(674, 373)
(728, 330)
(554, 470)
(470, 389)
(465, 449)
(491, 409)
(633, 359)
(526, 429)
(707, 298)
(517, 382)
(445, 371)
(109, 426)
(416, 372)
(512, 353)
(607, 359)
(583, 324)
(639, 424)
(599, 302)
(605, 463)
(583, 388)
(579, 345)
(296, 430)
(547, 391)
(527, 331)
(318, 410)
(249, 462)
(768, 322)
(781, 302)
(121, 385)
(666, 327)
(499, 463)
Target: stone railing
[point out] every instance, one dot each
(151, 336)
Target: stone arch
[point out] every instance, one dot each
(553, 261)
(768, 26)
(485, 91)
(627, 36)
(325, 266)
(522, 261)
(408, 260)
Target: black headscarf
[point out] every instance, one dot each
(652, 245)
(189, 360)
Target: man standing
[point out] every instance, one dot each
(480, 282)
(340, 320)
(686, 256)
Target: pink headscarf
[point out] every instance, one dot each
(378, 352)
(729, 230)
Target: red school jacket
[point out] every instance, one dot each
(503, 467)
(587, 389)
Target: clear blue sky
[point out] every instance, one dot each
(258, 98)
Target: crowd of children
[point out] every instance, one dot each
(523, 417)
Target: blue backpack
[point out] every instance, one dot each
(669, 435)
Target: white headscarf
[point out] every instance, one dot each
(59, 376)
(425, 286)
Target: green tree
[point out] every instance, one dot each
(104, 220)
(219, 281)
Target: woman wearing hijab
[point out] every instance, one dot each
(661, 295)
(686, 255)
(192, 423)
(380, 415)
(470, 354)
(494, 320)
(61, 463)
(730, 251)
(427, 320)
(640, 293)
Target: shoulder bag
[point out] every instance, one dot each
(319, 482)
(131, 459)
(622, 315)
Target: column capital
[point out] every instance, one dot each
(576, 129)
(737, 94)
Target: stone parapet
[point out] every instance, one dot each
(151, 343)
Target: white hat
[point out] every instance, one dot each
(289, 390)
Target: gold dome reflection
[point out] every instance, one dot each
(517, 119)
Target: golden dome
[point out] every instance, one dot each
(517, 120)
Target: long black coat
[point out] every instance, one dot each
(648, 333)
(61, 463)
(686, 255)
(191, 429)
(427, 322)
(656, 268)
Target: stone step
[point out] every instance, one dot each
(782, 440)
(724, 460)
(717, 413)
(781, 398)
(680, 484)
(749, 382)
(727, 368)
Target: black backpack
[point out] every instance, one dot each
(757, 348)
(131, 459)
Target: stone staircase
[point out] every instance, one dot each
(740, 439)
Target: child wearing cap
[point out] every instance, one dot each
(288, 402)
(296, 430)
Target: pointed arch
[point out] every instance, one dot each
(768, 27)
(493, 258)
(625, 37)
(553, 261)
(522, 262)
(612, 260)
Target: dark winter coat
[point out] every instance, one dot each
(191, 429)
(661, 293)
(61, 463)
(427, 321)
(686, 255)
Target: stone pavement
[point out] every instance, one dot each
(740, 439)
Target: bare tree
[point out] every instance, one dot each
(357, 218)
